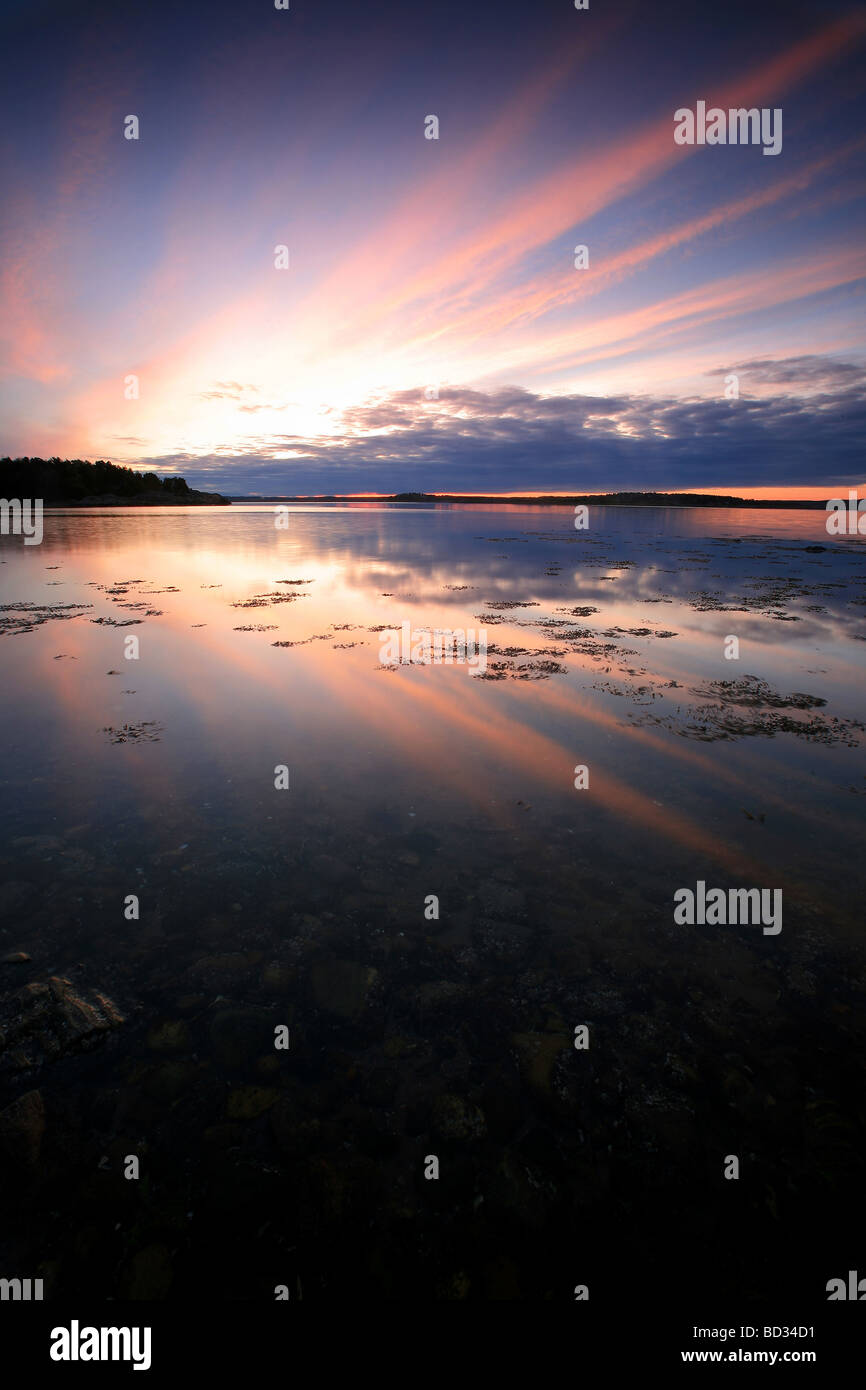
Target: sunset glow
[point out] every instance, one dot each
(420, 268)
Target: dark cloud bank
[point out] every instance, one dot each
(512, 440)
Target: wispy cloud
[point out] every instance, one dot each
(446, 264)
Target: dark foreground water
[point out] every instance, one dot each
(145, 784)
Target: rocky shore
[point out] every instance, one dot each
(147, 499)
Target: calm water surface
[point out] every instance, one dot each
(413, 1035)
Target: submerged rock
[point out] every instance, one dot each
(537, 1053)
(22, 1125)
(47, 1020)
(341, 986)
(248, 1102)
(456, 1118)
(169, 1035)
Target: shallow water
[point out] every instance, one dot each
(413, 1035)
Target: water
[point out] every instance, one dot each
(413, 1035)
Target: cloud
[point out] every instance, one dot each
(228, 391)
(808, 370)
(513, 439)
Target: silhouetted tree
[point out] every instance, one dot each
(59, 480)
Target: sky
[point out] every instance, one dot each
(431, 330)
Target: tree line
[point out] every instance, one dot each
(57, 479)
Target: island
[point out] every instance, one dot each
(79, 483)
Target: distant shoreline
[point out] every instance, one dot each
(609, 499)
